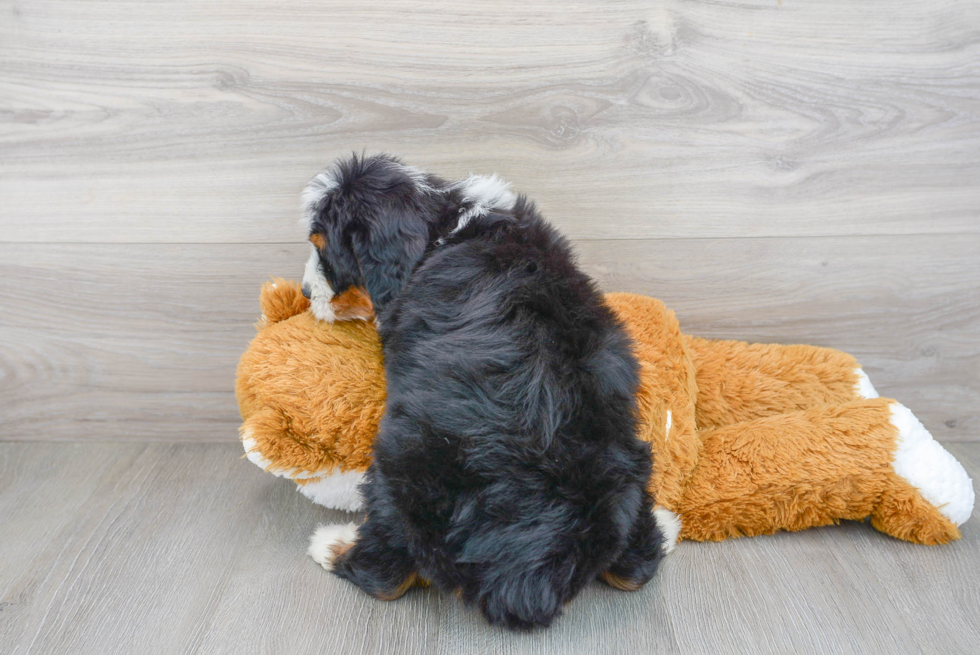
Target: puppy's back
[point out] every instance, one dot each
(510, 427)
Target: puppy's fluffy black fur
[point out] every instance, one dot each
(507, 466)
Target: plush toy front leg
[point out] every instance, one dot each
(867, 458)
(740, 381)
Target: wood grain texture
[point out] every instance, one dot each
(774, 170)
(141, 342)
(157, 548)
(193, 122)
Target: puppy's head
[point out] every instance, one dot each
(369, 224)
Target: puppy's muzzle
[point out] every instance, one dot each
(353, 304)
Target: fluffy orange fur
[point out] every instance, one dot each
(311, 394)
(748, 439)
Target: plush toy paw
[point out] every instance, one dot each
(330, 542)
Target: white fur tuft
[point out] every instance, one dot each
(316, 190)
(337, 490)
(930, 468)
(670, 526)
(864, 388)
(484, 193)
(328, 537)
(488, 191)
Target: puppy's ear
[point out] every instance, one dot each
(388, 253)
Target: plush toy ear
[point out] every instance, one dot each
(388, 253)
(280, 299)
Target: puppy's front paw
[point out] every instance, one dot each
(330, 542)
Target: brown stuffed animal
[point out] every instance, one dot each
(747, 439)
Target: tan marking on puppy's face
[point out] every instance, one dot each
(354, 303)
(318, 240)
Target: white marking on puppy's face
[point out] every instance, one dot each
(485, 193)
(316, 190)
(320, 291)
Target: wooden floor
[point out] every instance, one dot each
(185, 548)
(774, 170)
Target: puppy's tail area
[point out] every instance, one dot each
(526, 599)
(280, 299)
(527, 573)
(520, 575)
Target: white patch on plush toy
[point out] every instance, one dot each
(485, 192)
(670, 422)
(930, 468)
(338, 490)
(320, 291)
(254, 455)
(669, 524)
(328, 540)
(864, 388)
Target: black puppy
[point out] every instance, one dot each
(507, 466)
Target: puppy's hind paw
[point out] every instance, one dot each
(331, 542)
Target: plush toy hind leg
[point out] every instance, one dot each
(739, 381)
(867, 458)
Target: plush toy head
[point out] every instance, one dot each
(311, 395)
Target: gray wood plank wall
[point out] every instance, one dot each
(775, 170)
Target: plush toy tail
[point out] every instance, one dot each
(280, 299)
